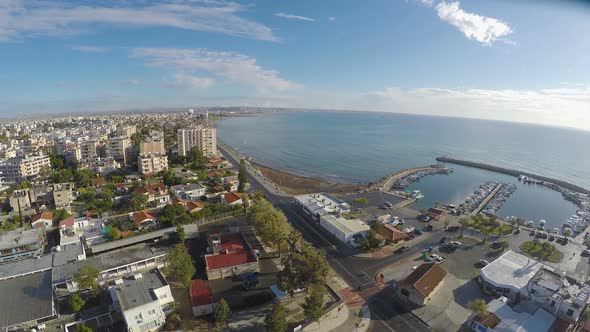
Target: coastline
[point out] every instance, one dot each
(296, 184)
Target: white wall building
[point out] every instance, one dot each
(203, 137)
(152, 163)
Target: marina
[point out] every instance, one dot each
(403, 182)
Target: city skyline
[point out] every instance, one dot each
(497, 60)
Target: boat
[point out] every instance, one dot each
(417, 194)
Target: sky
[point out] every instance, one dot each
(511, 60)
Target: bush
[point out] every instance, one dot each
(172, 322)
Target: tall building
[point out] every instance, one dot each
(126, 131)
(203, 137)
(88, 150)
(20, 168)
(152, 163)
(153, 144)
(120, 149)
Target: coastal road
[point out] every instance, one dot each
(387, 314)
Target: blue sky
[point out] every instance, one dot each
(526, 61)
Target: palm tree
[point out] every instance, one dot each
(520, 222)
(486, 231)
(293, 238)
(464, 222)
(437, 204)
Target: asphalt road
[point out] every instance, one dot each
(387, 315)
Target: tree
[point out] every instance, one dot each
(76, 302)
(169, 178)
(270, 223)
(567, 232)
(242, 176)
(61, 214)
(84, 328)
(369, 241)
(180, 235)
(137, 201)
(82, 178)
(520, 222)
(57, 161)
(114, 234)
(86, 277)
(512, 223)
(446, 223)
(222, 313)
(437, 204)
(304, 269)
(180, 265)
(486, 231)
(479, 307)
(314, 304)
(276, 320)
(293, 238)
(196, 157)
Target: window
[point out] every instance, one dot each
(570, 312)
(405, 292)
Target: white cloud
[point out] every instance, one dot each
(191, 81)
(294, 17)
(90, 49)
(20, 18)
(485, 30)
(331, 18)
(233, 67)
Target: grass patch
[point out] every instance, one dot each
(542, 250)
(351, 215)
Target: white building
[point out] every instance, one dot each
(143, 299)
(120, 148)
(191, 191)
(203, 137)
(20, 168)
(327, 210)
(152, 163)
(503, 318)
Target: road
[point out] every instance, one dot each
(387, 315)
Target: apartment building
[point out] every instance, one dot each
(126, 131)
(152, 163)
(88, 150)
(62, 195)
(120, 148)
(153, 144)
(20, 244)
(21, 168)
(203, 137)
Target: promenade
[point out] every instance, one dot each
(391, 180)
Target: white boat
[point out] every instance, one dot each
(408, 230)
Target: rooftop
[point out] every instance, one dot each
(425, 278)
(322, 203)
(346, 226)
(20, 238)
(187, 187)
(137, 291)
(27, 298)
(510, 320)
(25, 266)
(512, 270)
(200, 293)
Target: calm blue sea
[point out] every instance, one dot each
(365, 146)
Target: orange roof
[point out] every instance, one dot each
(214, 172)
(48, 215)
(391, 233)
(98, 181)
(194, 205)
(425, 278)
(152, 189)
(142, 216)
(68, 222)
(232, 196)
(227, 260)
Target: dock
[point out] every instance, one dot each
(513, 172)
(388, 184)
(486, 200)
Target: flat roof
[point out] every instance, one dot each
(322, 201)
(134, 292)
(25, 299)
(25, 266)
(110, 245)
(107, 261)
(512, 270)
(25, 237)
(346, 226)
(68, 253)
(510, 320)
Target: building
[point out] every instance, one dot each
(509, 275)
(233, 198)
(143, 299)
(20, 244)
(157, 194)
(42, 220)
(191, 191)
(22, 168)
(152, 163)
(27, 300)
(88, 150)
(62, 195)
(201, 298)
(154, 144)
(328, 211)
(21, 199)
(144, 219)
(232, 255)
(194, 206)
(421, 285)
(390, 233)
(204, 137)
(71, 230)
(120, 149)
(502, 317)
(126, 131)
(435, 214)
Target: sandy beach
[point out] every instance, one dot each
(296, 184)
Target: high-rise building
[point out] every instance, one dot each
(120, 149)
(19, 168)
(88, 149)
(126, 131)
(152, 163)
(203, 137)
(153, 144)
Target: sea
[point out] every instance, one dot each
(363, 147)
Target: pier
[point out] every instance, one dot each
(513, 172)
(388, 184)
(486, 200)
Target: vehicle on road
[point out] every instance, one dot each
(402, 249)
(532, 233)
(426, 218)
(551, 238)
(483, 262)
(388, 204)
(246, 276)
(432, 257)
(444, 240)
(250, 284)
(586, 253)
(517, 231)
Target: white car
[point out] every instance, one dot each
(432, 257)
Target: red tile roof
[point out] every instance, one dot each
(231, 242)
(232, 196)
(98, 182)
(152, 189)
(68, 222)
(425, 278)
(200, 293)
(43, 215)
(227, 260)
(391, 233)
(192, 206)
(213, 173)
(218, 188)
(142, 216)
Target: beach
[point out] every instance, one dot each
(296, 184)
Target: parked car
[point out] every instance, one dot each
(388, 204)
(246, 276)
(517, 231)
(483, 262)
(432, 257)
(444, 240)
(410, 236)
(426, 218)
(586, 253)
(455, 244)
(402, 249)
(417, 231)
(250, 284)
(401, 222)
(532, 233)
(551, 238)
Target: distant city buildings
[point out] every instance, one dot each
(203, 136)
(17, 169)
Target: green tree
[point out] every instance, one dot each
(84, 328)
(293, 238)
(24, 184)
(82, 178)
(314, 304)
(270, 223)
(76, 302)
(87, 277)
(479, 307)
(59, 215)
(567, 232)
(180, 265)
(222, 313)
(180, 235)
(304, 269)
(169, 178)
(486, 231)
(242, 176)
(369, 241)
(464, 222)
(276, 320)
(137, 201)
(196, 157)
(57, 162)
(114, 234)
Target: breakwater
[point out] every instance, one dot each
(513, 172)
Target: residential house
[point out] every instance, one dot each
(435, 214)
(212, 174)
(421, 285)
(390, 233)
(192, 191)
(144, 219)
(152, 163)
(98, 182)
(233, 198)
(43, 220)
(62, 195)
(194, 206)
(143, 300)
(201, 298)
(232, 255)
(157, 194)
